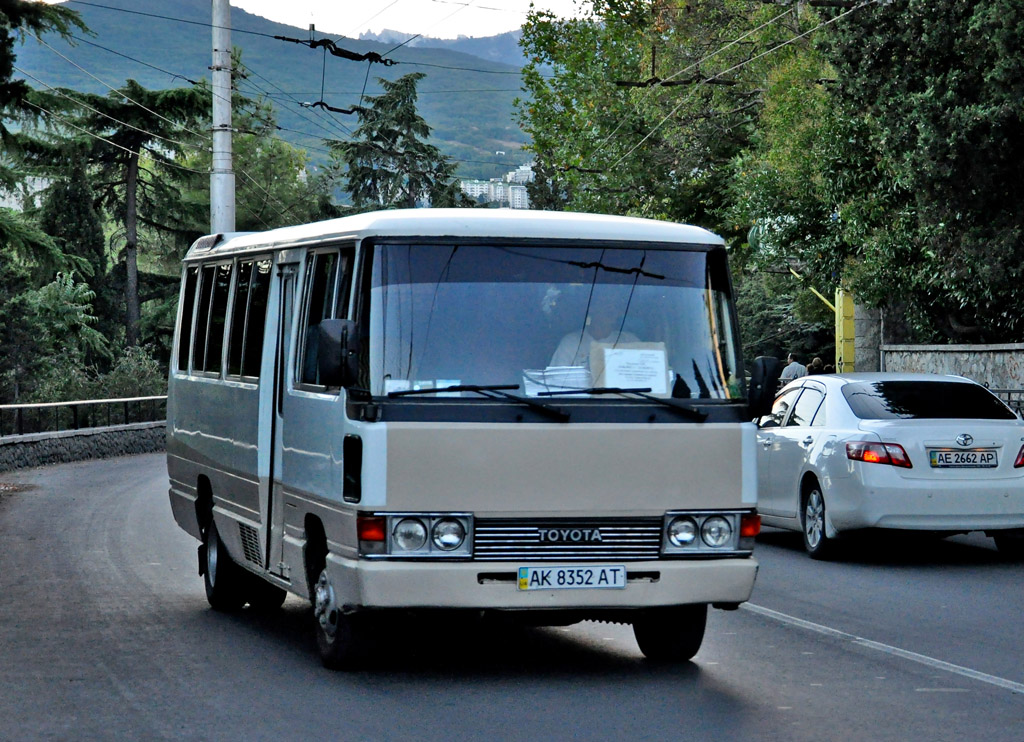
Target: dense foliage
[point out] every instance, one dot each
(389, 163)
(873, 146)
(119, 189)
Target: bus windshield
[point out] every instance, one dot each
(552, 320)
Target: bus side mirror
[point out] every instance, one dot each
(764, 379)
(338, 356)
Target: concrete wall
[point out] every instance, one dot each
(41, 449)
(867, 338)
(999, 366)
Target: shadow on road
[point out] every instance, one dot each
(901, 549)
(461, 645)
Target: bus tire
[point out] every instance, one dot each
(671, 634)
(263, 596)
(222, 577)
(340, 637)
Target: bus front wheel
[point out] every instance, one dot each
(671, 634)
(340, 637)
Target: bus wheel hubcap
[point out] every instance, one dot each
(324, 607)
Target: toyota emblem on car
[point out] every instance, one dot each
(964, 440)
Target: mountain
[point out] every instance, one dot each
(503, 48)
(466, 98)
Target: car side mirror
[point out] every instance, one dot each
(764, 379)
(338, 357)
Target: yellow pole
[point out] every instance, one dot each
(844, 331)
(815, 291)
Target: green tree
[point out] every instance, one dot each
(68, 214)
(640, 105)
(932, 96)
(17, 18)
(135, 130)
(389, 164)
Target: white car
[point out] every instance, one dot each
(922, 452)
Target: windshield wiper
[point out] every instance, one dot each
(491, 391)
(644, 392)
(459, 388)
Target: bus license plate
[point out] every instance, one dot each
(948, 458)
(594, 576)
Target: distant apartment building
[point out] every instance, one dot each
(509, 191)
(521, 175)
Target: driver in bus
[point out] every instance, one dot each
(603, 325)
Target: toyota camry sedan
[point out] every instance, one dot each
(920, 452)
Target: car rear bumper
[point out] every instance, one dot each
(931, 506)
(486, 585)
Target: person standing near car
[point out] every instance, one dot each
(793, 370)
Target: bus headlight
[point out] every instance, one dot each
(410, 534)
(716, 531)
(682, 531)
(448, 534)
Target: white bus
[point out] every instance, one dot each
(536, 413)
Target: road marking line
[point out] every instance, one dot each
(886, 648)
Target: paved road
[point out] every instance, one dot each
(105, 634)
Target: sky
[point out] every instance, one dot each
(445, 19)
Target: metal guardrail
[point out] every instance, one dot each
(1012, 397)
(55, 417)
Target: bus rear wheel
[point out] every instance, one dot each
(223, 578)
(671, 634)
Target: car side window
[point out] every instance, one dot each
(805, 407)
(820, 419)
(782, 404)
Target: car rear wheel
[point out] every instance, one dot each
(816, 540)
(671, 634)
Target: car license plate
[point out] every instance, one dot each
(572, 578)
(948, 458)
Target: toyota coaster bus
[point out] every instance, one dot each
(535, 413)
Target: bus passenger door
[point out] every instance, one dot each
(274, 514)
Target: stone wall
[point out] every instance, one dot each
(998, 366)
(41, 449)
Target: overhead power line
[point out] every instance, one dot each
(86, 106)
(736, 67)
(119, 92)
(85, 131)
(337, 51)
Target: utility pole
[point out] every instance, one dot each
(222, 176)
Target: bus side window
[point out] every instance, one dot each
(318, 301)
(248, 316)
(218, 317)
(188, 309)
(203, 318)
(238, 318)
(255, 324)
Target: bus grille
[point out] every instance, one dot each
(567, 540)
(250, 543)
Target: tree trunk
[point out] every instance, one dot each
(131, 255)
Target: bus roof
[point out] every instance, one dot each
(458, 223)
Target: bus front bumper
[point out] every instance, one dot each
(370, 584)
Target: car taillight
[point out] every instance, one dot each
(878, 453)
(1019, 462)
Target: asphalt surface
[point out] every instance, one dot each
(105, 634)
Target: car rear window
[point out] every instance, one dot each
(890, 400)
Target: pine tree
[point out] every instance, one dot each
(389, 163)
